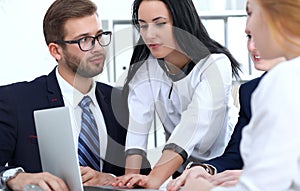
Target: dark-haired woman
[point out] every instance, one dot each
(179, 73)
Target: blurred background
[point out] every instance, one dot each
(24, 54)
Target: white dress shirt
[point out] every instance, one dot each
(197, 111)
(270, 144)
(71, 98)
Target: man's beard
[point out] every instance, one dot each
(80, 66)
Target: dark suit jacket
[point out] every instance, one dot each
(231, 158)
(18, 140)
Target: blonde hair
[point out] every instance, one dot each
(283, 18)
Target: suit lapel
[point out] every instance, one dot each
(102, 101)
(55, 97)
(104, 106)
(114, 157)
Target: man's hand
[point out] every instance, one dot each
(91, 177)
(45, 180)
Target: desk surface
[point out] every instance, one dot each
(110, 188)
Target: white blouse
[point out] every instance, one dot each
(270, 145)
(197, 111)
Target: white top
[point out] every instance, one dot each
(270, 146)
(198, 114)
(71, 98)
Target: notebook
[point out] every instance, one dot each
(58, 151)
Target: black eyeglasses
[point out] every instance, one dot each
(88, 42)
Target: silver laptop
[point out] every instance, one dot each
(56, 144)
(58, 151)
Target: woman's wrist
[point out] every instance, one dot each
(154, 181)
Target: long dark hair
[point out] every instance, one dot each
(185, 21)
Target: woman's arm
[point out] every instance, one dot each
(167, 164)
(164, 168)
(133, 164)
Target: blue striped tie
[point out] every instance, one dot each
(88, 141)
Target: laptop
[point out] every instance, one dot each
(58, 151)
(56, 144)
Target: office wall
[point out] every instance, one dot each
(23, 52)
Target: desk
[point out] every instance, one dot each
(110, 188)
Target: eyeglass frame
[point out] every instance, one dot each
(93, 41)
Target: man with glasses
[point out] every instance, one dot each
(76, 41)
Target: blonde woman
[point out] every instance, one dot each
(270, 143)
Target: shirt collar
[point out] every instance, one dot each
(72, 95)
